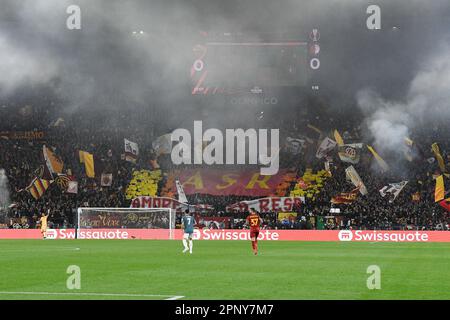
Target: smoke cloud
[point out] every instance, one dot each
(426, 104)
(105, 64)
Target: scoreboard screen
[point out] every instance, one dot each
(237, 65)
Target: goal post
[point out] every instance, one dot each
(126, 218)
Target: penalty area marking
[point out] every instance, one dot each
(169, 297)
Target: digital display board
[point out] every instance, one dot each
(248, 65)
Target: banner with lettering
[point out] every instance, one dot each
(22, 135)
(270, 204)
(229, 182)
(165, 202)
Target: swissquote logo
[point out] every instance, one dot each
(52, 234)
(87, 234)
(222, 234)
(345, 235)
(196, 235)
(383, 236)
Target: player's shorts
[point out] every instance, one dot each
(254, 234)
(43, 228)
(188, 235)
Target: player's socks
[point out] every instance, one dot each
(256, 247)
(185, 245)
(191, 244)
(253, 246)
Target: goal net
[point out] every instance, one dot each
(127, 218)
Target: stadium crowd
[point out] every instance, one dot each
(68, 132)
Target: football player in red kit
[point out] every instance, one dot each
(254, 221)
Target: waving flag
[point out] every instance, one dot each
(106, 180)
(393, 189)
(181, 195)
(384, 166)
(445, 204)
(350, 152)
(315, 129)
(294, 145)
(415, 197)
(54, 164)
(438, 156)
(439, 191)
(131, 150)
(38, 187)
(408, 149)
(338, 138)
(326, 146)
(354, 177)
(72, 187)
(88, 160)
(345, 197)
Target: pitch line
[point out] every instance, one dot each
(42, 249)
(175, 298)
(170, 297)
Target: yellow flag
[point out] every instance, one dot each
(88, 160)
(408, 150)
(439, 192)
(314, 128)
(81, 154)
(408, 141)
(338, 138)
(438, 156)
(380, 160)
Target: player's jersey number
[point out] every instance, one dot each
(254, 222)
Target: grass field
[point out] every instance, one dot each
(139, 269)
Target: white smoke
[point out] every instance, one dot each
(21, 67)
(427, 102)
(4, 191)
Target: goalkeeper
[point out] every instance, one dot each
(187, 223)
(43, 221)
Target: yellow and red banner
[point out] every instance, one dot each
(37, 187)
(439, 191)
(345, 197)
(229, 182)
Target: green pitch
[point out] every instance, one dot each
(138, 269)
